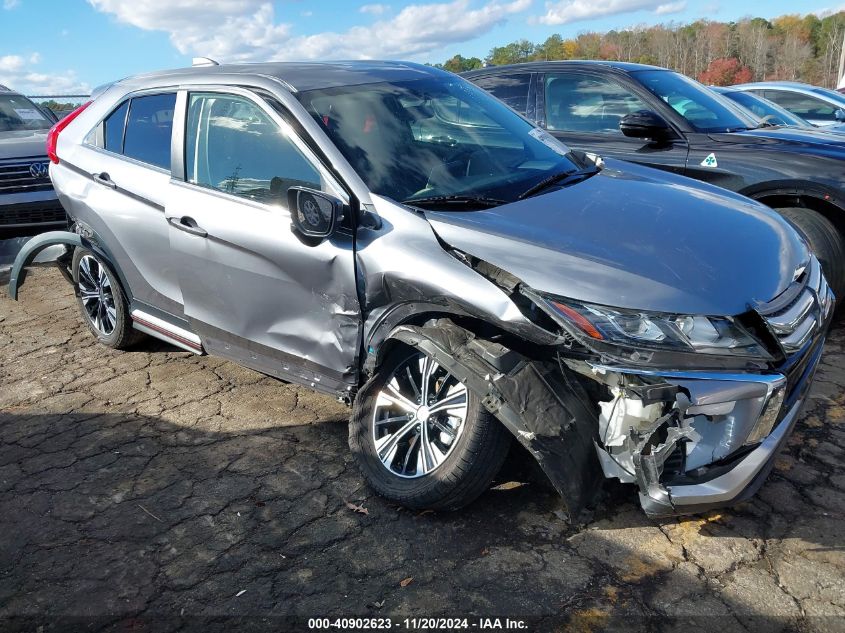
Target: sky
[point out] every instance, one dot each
(71, 46)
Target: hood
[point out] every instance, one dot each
(23, 144)
(811, 137)
(632, 237)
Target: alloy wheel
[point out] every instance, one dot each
(95, 290)
(418, 417)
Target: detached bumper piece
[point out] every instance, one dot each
(545, 406)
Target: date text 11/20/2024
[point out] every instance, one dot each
(418, 624)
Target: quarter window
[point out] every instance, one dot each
(512, 89)
(580, 103)
(113, 129)
(233, 146)
(148, 128)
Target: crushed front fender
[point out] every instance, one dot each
(60, 244)
(543, 404)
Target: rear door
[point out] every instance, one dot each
(583, 110)
(253, 290)
(129, 162)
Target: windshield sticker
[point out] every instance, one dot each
(710, 161)
(29, 114)
(547, 139)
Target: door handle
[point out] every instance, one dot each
(105, 179)
(187, 224)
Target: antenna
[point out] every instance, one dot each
(204, 61)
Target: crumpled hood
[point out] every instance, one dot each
(23, 144)
(637, 238)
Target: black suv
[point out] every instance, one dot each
(660, 118)
(27, 198)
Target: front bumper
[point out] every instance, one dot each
(737, 468)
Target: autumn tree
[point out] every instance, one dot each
(725, 71)
(461, 64)
(800, 47)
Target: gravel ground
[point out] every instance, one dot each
(154, 489)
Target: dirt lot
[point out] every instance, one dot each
(140, 490)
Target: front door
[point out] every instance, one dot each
(255, 291)
(583, 110)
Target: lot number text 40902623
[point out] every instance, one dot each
(418, 624)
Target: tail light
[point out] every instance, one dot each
(53, 134)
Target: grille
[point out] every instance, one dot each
(15, 176)
(26, 214)
(798, 314)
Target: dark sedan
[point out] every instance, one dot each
(662, 119)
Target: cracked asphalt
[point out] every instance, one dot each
(152, 489)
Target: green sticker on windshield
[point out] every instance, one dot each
(710, 161)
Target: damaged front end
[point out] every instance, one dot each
(692, 437)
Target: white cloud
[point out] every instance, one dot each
(566, 11)
(375, 9)
(19, 73)
(8, 5)
(671, 7)
(247, 30)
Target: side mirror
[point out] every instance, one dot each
(645, 124)
(314, 213)
(839, 114)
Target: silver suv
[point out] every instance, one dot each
(390, 234)
(27, 198)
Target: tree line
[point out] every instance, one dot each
(789, 47)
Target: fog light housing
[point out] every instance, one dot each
(768, 417)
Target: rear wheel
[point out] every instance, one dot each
(421, 438)
(825, 241)
(101, 301)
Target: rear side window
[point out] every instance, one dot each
(113, 129)
(148, 128)
(512, 89)
(231, 145)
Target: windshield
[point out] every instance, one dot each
(764, 108)
(705, 110)
(19, 113)
(434, 137)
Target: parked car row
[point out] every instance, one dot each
(660, 118)
(464, 273)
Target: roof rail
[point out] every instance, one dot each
(204, 61)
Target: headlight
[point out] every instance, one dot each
(641, 333)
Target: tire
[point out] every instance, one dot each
(102, 304)
(476, 448)
(825, 241)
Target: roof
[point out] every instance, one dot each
(569, 63)
(6, 89)
(301, 76)
(775, 84)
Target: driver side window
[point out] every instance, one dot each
(233, 146)
(803, 105)
(583, 103)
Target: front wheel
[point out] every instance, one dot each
(421, 438)
(825, 241)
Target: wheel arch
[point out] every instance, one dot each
(381, 338)
(826, 201)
